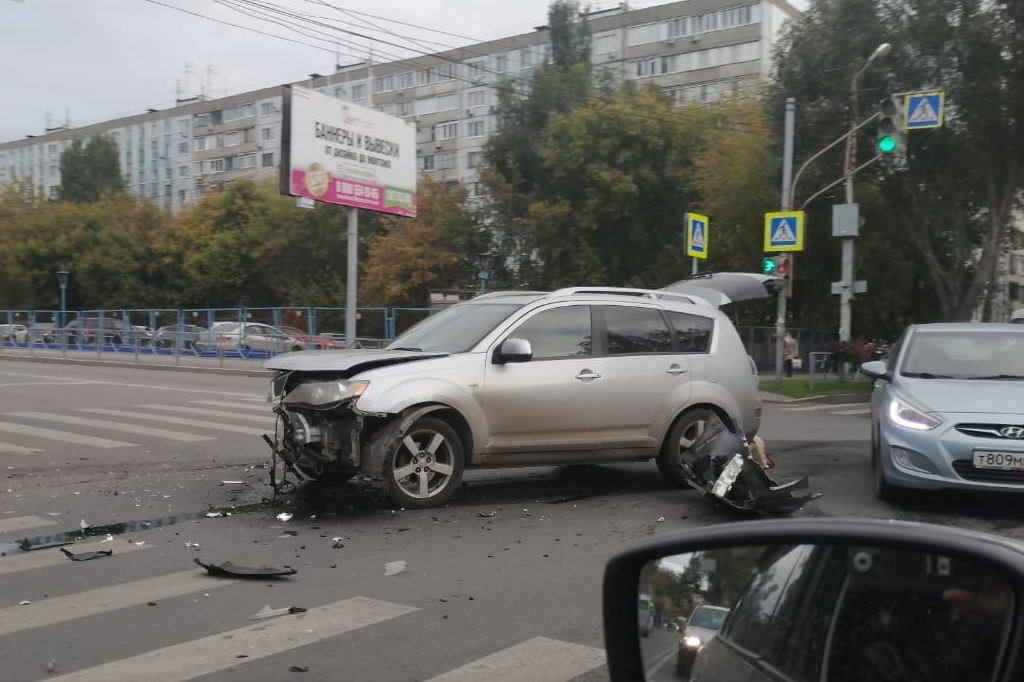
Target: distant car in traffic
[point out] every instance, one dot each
(243, 336)
(13, 333)
(112, 330)
(318, 341)
(178, 336)
(946, 409)
(703, 624)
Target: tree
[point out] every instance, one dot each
(90, 170)
(414, 255)
(937, 227)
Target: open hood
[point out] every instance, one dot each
(719, 288)
(351, 361)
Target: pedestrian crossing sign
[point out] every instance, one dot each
(697, 235)
(924, 110)
(784, 232)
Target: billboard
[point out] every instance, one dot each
(341, 153)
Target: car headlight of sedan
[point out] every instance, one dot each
(909, 417)
(692, 642)
(321, 393)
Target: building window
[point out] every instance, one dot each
(268, 159)
(182, 148)
(477, 98)
(247, 161)
(525, 57)
(501, 62)
(235, 113)
(266, 134)
(359, 92)
(474, 159)
(201, 144)
(267, 109)
(475, 189)
(476, 128)
(229, 139)
(425, 162)
(182, 171)
(476, 69)
(215, 165)
(383, 84)
(446, 131)
(445, 161)
(183, 125)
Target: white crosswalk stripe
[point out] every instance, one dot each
(168, 419)
(44, 558)
(120, 427)
(16, 523)
(63, 436)
(264, 407)
(211, 654)
(92, 602)
(536, 660)
(843, 410)
(268, 418)
(18, 449)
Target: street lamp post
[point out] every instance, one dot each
(483, 266)
(62, 280)
(848, 160)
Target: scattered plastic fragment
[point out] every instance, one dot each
(86, 556)
(661, 519)
(214, 515)
(192, 544)
(51, 667)
(83, 525)
(298, 669)
(487, 515)
(338, 544)
(229, 570)
(24, 602)
(233, 482)
(267, 612)
(140, 543)
(26, 545)
(395, 567)
(109, 538)
(284, 516)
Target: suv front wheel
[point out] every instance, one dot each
(426, 467)
(680, 438)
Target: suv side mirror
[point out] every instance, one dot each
(513, 350)
(970, 585)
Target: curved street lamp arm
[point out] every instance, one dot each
(842, 179)
(844, 136)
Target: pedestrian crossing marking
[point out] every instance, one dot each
(169, 419)
(64, 436)
(17, 523)
(861, 410)
(924, 113)
(783, 233)
(93, 602)
(44, 558)
(536, 660)
(114, 426)
(18, 449)
(208, 655)
(809, 408)
(267, 418)
(264, 407)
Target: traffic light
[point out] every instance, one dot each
(892, 138)
(776, 265)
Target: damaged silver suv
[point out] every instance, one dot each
(575, 376)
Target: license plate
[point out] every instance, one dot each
(987, 459)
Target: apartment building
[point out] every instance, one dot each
(696, 50)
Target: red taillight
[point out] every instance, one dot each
(757, 413)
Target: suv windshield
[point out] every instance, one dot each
(456, 329)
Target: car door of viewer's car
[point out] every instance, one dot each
(553, 402)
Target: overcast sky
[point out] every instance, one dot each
(92, 60)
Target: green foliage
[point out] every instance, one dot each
(91, 170)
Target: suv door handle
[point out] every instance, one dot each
(676, 370)
(588, 374)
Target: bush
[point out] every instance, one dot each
(854, 350)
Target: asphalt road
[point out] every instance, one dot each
(504, 580)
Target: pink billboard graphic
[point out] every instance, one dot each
(319, 185)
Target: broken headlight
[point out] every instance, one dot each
(324, 393)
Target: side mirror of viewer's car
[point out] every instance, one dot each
(817, 599)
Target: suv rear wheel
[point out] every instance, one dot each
(427, 465)
(680, 438)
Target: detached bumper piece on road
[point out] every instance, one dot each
(720, 465)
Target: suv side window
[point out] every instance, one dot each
(632, 329)
(562, 332)
(693, 332)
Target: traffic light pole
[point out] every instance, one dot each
(784, 291)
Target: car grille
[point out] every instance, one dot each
(987, 430)
(965, 469)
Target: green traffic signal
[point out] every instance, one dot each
(768, 266)
(886, 144)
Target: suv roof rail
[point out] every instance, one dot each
(511, 292)
(627, 291)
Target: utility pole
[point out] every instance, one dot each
(787, 174)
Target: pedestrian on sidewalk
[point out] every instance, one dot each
(790, 351)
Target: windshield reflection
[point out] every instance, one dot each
(454, 330)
